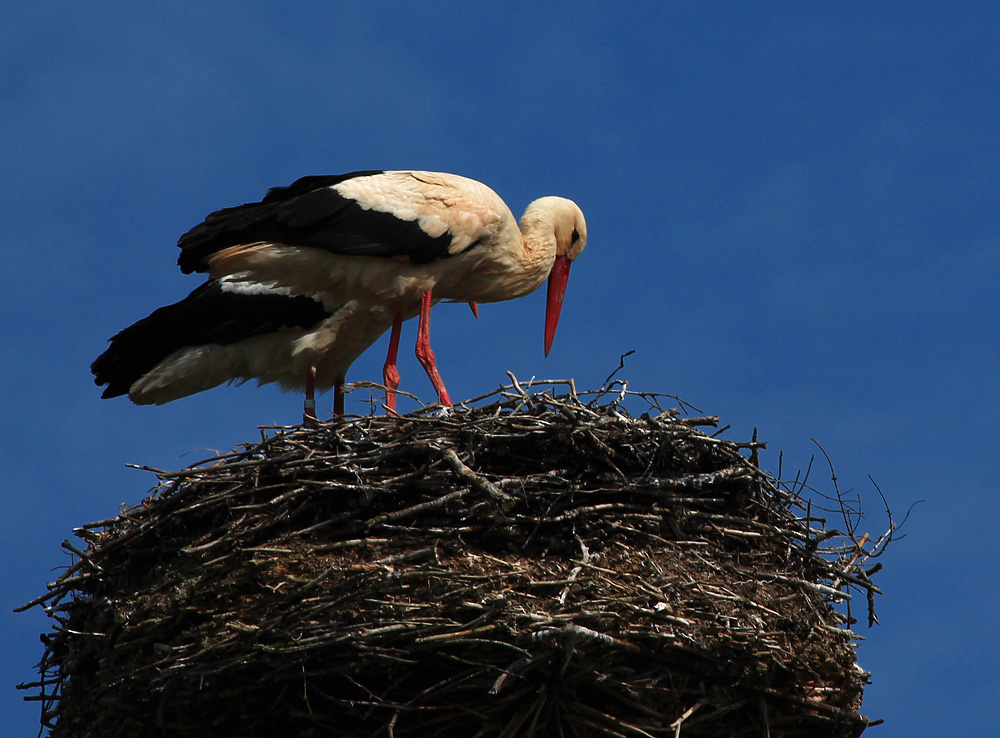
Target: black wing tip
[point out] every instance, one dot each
(224, 227)
(189, 263)
(112, 391)
(102, 369)
(285, 214)
(210, 315)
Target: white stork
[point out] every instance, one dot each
(302, 282)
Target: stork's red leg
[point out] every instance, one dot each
(338, 397)
(309, 408)
(390, 376)
(424, 354)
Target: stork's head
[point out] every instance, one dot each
(569, 228)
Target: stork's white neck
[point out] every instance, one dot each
(521, 259)
(538, 237)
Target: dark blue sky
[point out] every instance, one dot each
(793, 217)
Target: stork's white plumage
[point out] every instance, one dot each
(301, 283)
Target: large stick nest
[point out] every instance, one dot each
(534, 567)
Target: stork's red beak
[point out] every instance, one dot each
(557, 291)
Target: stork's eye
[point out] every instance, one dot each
(575, 237)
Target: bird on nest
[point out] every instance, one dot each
(304, 281)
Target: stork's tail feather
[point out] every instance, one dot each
(189, 334)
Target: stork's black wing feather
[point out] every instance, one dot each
(209, 315)
(311, 213)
